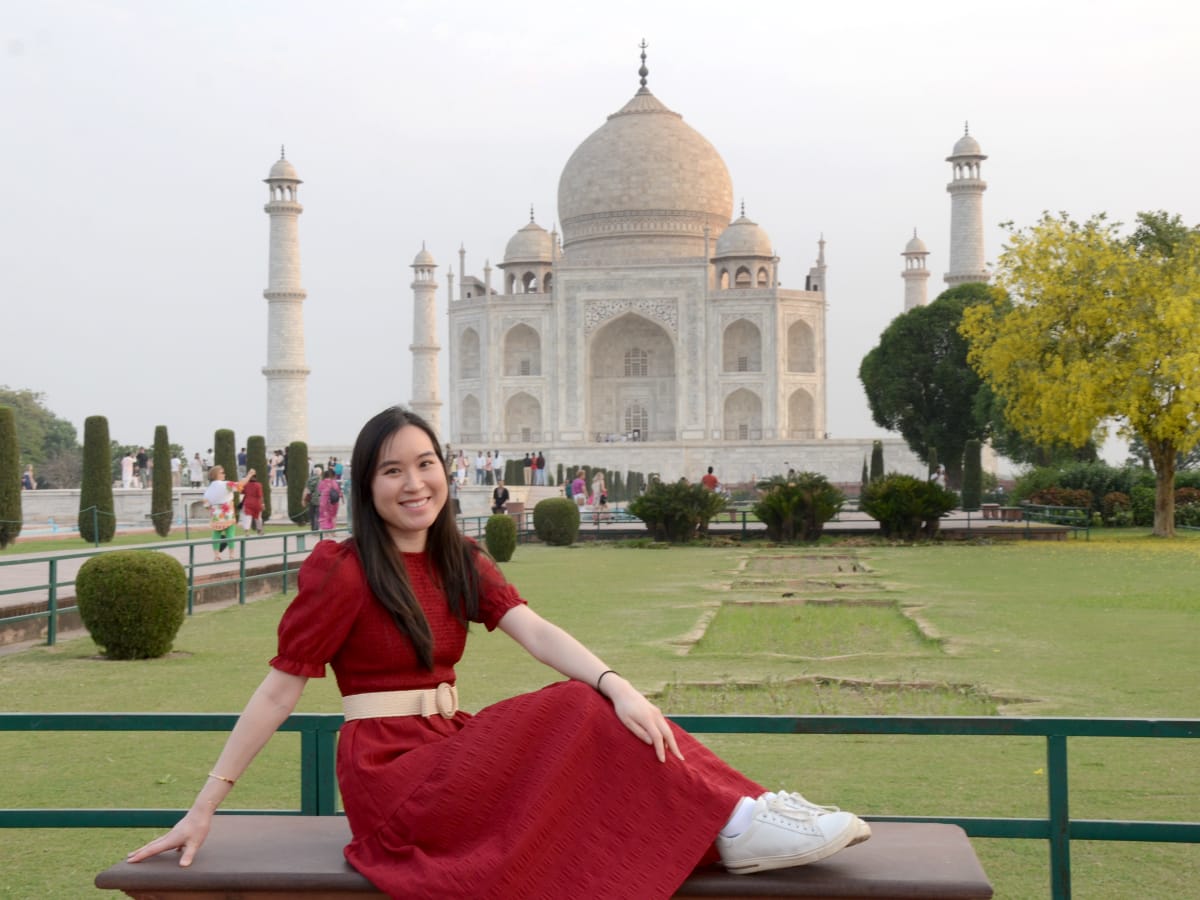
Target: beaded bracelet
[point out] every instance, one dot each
(602, 674)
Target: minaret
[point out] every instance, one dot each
(966, 212)
(915, 275)
(816, 274)
(426, 401)
(286, 371)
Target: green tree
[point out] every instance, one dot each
(10, 478)
(918, 381)
(876, 460)
(41, 435)
(256, 459)
(225, 452)
(972, 483)
(297, 477)
(162, 507)
(97, 516)
(1100, 328)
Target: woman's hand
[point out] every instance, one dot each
(187, 836)
(642, 717)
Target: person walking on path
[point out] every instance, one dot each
(196, 471)
(252, 505)
(579, 489)
(580, 789)
(312, 497)
(218, 497)
(709, 480)
(330, 496)
(127, 464)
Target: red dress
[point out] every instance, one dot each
(544, 795)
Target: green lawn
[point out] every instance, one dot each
(1100, 628)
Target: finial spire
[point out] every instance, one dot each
(643, 71)
(966, 128)
(281, 156)
(530, 213)
(743, 207)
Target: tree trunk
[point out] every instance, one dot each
(1162, 456)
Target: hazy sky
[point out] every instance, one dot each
(133, 243)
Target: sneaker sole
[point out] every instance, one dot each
(862, 833)
(765, 863)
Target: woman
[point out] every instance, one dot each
(252, 504)
(330, 497)
(218, 497)
(599, 490)
(579, 489)
(580, 788)
(28, 482)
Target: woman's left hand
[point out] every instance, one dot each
(642, 717)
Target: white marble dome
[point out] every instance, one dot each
(643, 185)
(915, 245)
(424, 259)
(966, 146)
(744, 238)
(532, 243)
(284, 169)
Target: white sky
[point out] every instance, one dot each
(133, 245)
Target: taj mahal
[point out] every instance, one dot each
(652, 334)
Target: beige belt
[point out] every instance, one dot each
(442, 700)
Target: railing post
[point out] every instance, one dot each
(284, 580)
(191, 577)
(52, 625)
(1060, 818)
(309, 761)
(96, 525)
(242, 571)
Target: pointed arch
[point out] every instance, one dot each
(741, 347)
(763, 279)
(724, 280)
(741, 278)
(801, 415)
(801, 347)
(522, 418)
(471, 428)
(742, 416)
(468, 353)
(522, 351)
(631, 363)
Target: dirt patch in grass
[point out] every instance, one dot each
(806, 564)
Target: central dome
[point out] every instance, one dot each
(643, 185)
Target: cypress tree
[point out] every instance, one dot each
(161, 505)
(866, 478)
(99, 525)
(10, 478)
(972, 484)
(877, 461)
(225, 453)
(256, 459)
(297, 477)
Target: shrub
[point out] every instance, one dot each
(1114, 509)
(1188, 515)
(10, 478)
(1141, 504)
(97, 519)
(1185, 496)
(798, 508)
(162, 507)
(297, 478)
(132, 602)
(676, 512)
(906, 506)
(500, 536)
(256, 459)
(876, 460)
(225, 453)
(556, 521)
(1060, 496)
(972, 484)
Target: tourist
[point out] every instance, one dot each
(176, 471)
(241, 463)
(281, 469)
(488, 468)
(709, 480)
(311, 497)
(28, 482)
(479, 467)
(196, 471)
(582, 788)
(143, 467)
(527, 469)
(252, 505)
(579, 489)
(127, 464)
(599, 493)
(541, 469)
(330, 496)
(218, 497)
(500, 496)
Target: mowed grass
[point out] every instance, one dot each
(1106, 628)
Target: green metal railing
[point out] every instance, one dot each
(296, 547)
(318, 788)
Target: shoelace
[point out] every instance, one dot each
(792, 800)
(783, 806)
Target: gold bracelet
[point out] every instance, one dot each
(229, 781)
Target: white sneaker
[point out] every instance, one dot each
(791, 798)
(782, 835)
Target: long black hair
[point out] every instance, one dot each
(451, 555)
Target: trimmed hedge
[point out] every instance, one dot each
(877, 461)
(132, 602)
(162, 507)
(10, 478)
(500, 536)
(100, 525)
(297, 478)
(225, 453)
(556, 521)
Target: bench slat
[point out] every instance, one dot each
(275, 857)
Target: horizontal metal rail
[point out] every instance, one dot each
(318, 733)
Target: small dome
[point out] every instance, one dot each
(424, 258)
(967, 146)
(744, 238)
(531, 244)
(916, 245)
(284, 169)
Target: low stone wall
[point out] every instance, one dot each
(132, 507)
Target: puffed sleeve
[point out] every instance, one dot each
(316, 623)
(496, 595)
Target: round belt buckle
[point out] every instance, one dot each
(445, 701)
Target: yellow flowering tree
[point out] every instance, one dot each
(1098, 327)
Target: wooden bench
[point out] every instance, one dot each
(284, 857)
